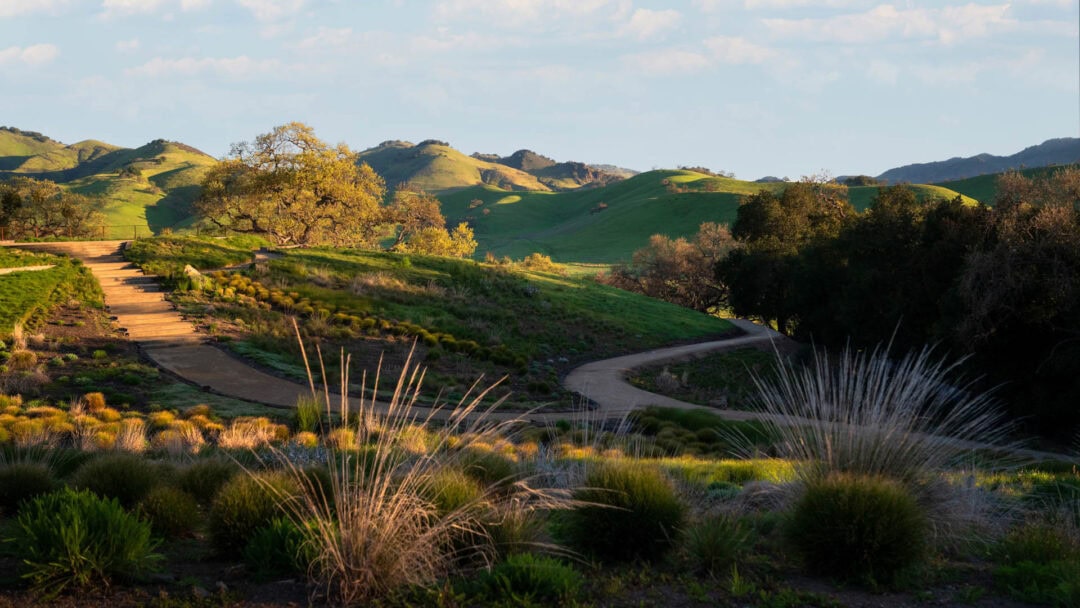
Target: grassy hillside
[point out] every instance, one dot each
(436, 167)
(608, 224)
(984, 187)
(139, 190)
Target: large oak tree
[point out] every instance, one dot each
(295, 189)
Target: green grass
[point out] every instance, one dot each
(537, 315)
(720, 379)
(984, 187)
(169, 255)
(26, 295)
(437, 168)
(17, 258)
(568, 227)
(161, 197)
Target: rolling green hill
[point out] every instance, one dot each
(984, 187)
(139, 190)
(607, 224)
(435, 166)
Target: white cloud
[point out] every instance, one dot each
(327, 38)
(194, 5)
(126, 46)
(14, 8)
(645, 23)
(735, 50)
(710, 6)
(667, 62)
(37, 54)
(272, 10)
(235, 67)
(528, 12)
(123, 8)
(885, 22)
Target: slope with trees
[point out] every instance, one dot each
(292, 188)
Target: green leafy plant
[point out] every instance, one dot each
(307, 417)
(528, 579)
(856, 527)
(76, 539)
(628, 511)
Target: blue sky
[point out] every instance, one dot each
(780, 87)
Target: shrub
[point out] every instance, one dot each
(75, 539)
(629, 512)
(279, 549)
(125, 477)
(530, 579)
(245, 504)
(857, 528)
(22, 480)
(714, 543)
(171, 512)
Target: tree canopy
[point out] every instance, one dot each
(40, 208)
(295, 189)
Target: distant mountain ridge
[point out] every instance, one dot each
(1060, 151)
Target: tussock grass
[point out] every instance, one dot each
(386, 516)
(866, 414)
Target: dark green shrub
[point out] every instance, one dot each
(632, 512)
(714, 543)
(125, 477)
(531, 580)
(22, 480)
(203, 479)
(857, 528)
(1036, 542)
(76, 539)
(279, 549)
(245, 504)
(171, 512)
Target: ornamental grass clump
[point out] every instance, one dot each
(866, 414)
(858, 528)
(626, 511)
(383, 524)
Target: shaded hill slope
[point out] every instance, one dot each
(148, 188)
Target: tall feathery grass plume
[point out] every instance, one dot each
(864, 413)
(382, 523)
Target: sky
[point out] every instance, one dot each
(755, 87)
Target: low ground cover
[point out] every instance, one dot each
(720, 380)
(466, 318)
(25, 297)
